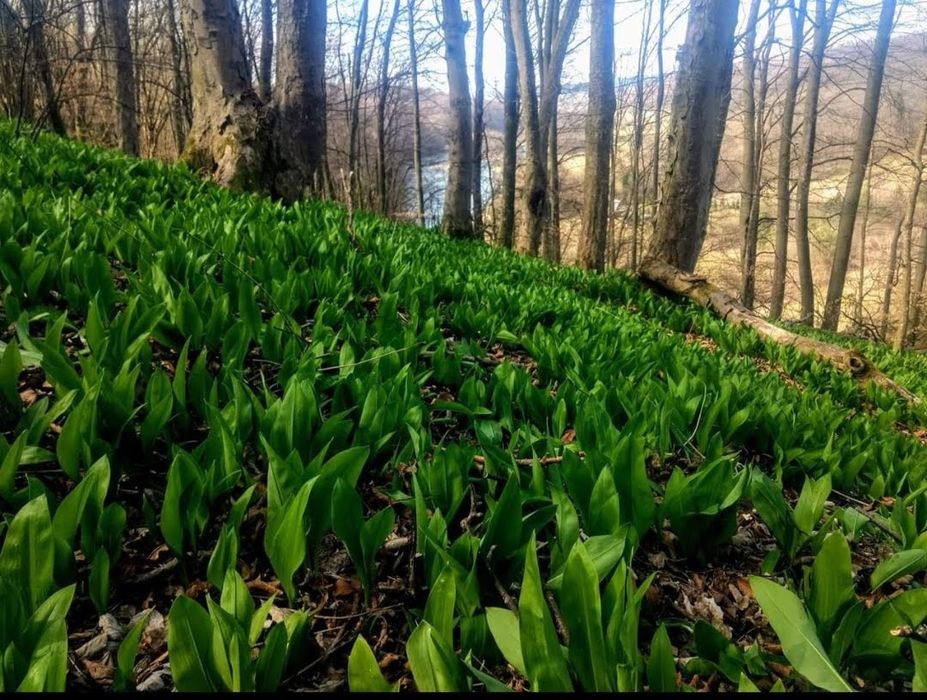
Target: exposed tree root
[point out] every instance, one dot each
(703, 292)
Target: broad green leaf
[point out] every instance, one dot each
(28, 553)
(285, 538)
(900, 564)
(546, 668)
(661, 666)
(435, 668)
(503, 625)
(797, 633)
(364, 675)
(919, 652)
(581, 606)
(831, 584)
(125, 658)
(189, 640)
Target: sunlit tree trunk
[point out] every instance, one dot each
(478, 99)
(510, 133)
(458, 221)
(116, 19)
(416, 120)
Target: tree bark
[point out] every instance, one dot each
(416, 120)
(458, 221)
(265, 67)
(510, 132)
(179, 114)
(478, 100)
(700, 102)
(748, 181)
(116, 19)
(35, 36)
(658, 109)
(920, 277)
(534, 187)
(300, 98)
(600, 123)
(906, 310)
(382, 96)
(784, 174)
(702, 292)
(838, 272)
(354, 101)
(891, 280)
(824, 21)
(230, 136)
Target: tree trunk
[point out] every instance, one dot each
(700, 102)
(748, 181)
(478, 99)
(863, 231)
(551, 247)
(906, 307)
(116, 19)
(920, 277)
(783, 177)
(382, 96)
(416, 120)
(35, 36)
(838, 272)
(824, 21)
(179, 116)
(600, 123)
(637, 150)
(458, 221)
(891, 280)
(702, 292)
(230, 137)
(658, 110)
(510, 132)
(265, 66)
(354, 101)
(534, 187)
(300, 99)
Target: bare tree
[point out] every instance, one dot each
(867, 122)
(116, 19)
(600, 122)
(416, 119)
(382, 96)
(700, 102)
(783, 178)
(458, 221)
(510, 132)
(478, 99)
(35, 39)
(265, 67)
(748, 183)
(906, 310)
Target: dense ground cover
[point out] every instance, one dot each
(254, 446)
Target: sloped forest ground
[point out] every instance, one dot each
(249, 446)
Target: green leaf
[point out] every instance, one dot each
(28, 553)
(919, 652)
(285, 538)
(91, 491)
(900, 564)
(364, 675)
(125, 658)
(661, 666)
(236, 599)
(831, 584)
(435, 668)
(746, 685)
(439, 610)
(11, 364)
(272, 661)
(503, 625)
(581, 605)
(546, 668)
(189, 641)
(810, 504)
(98, 583)
(796, 632)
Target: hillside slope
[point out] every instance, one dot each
(432, 461)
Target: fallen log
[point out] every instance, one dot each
(729, 308)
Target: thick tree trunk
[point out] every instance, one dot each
(838, 272)
(510, 133)
(600, 123)
(784, 174)
(824, 20)
(416, 120)
(230, 137)
(906, 307)
(458, 221)
(478, 99)
(116, 19)
(300, 98)
(35, 36)
(265, 66)
(382, 96)
(702, 292)
(534, 187)
(700, 102)
(748, 181)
